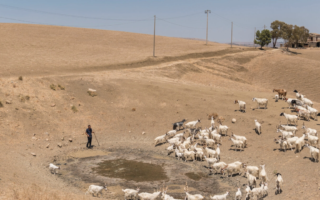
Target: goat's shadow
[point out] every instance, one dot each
(243, 111)
(311, 159)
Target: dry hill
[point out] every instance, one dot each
(139, 94)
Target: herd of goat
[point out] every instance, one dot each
(195, 144)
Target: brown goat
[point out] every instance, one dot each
(281, 92)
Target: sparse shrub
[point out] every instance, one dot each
(133, 109)
(20, 78)
(1, 105)
(27, 97)
(93, 94)
(220, 119)
(61, 87)
(74, 109)
(53, 87)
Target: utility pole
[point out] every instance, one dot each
(254, 37)
(231, 32)
(207, 12)
(154, 38)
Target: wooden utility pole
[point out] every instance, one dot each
(231, 32)
(254, 37)
(154, 38)
(207, 12)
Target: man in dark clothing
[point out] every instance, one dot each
(89, 135)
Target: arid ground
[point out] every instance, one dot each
(138, 98)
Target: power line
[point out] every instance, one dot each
(183, 16)
(178, 24)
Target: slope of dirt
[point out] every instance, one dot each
(134, 105)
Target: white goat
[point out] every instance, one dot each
(241, 138)
(165, 196)
(238, 195)
(248, 190)
(212, 121)
(265, 190)
(192, 124)
(210, 161)
(53, 169)
(178, 154)
(258, 127)
(188, 155)
(291, 141)
(283, 144)
(170, 149)
(192, 197)
(263, 173)
(304, 114)
(96, 190)
(130, 193)
(300, 143)
(257, 192)
(261, 101)
(216, 136)
(290, 118)
(313, 140)
(160, 139)
(222, 129)
(285, 134)
(171, 133)
(252, 180)
(217, 167)
(292, 129)
(279, 182)
(149, 196)
(310, 130)
(237, 144)
(253, 170)
(314, 152)
(220, 197)
(231, 169)
(313, 112)
(242, 105)
(307, 101)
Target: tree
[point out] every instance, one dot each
(300, 35)
(263, 38)
(287, 34)
(277, 31)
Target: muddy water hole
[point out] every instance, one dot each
(149, 170)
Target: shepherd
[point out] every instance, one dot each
(89, 135)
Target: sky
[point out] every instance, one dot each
(174, 18)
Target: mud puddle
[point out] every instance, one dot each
(131, 170)
(148, 170)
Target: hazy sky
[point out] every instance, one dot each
(175, 18)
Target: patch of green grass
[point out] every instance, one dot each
(61, 87)
(20, 78)
(74, 109)
(53, 87)
(93, 94)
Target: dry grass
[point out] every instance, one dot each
(214, 115)
(133, 109)
(74, 109)
(1, 105)
(20, 78)
(53, 87)
(93, 94)
(35, 192)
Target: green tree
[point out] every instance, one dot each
(263, 38)
(300, 35)
(287, 34)
(277, 31)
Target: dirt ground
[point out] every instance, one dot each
(186, 81)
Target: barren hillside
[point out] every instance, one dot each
(138, 98)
